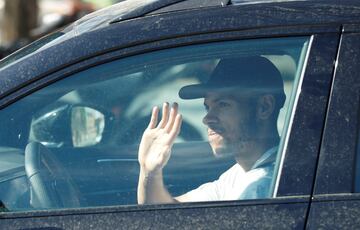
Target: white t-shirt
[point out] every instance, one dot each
(235, 183)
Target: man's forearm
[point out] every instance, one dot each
(151, 189)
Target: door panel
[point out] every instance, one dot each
(275, 214)
(339, 211)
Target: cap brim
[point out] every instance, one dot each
(201, 90)
(194, 91)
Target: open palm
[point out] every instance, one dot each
(158, 139)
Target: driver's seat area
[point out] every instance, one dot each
(51, 186)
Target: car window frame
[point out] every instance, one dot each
(335, 201)
(336, 171)
(308, 133)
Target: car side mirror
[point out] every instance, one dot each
(67, 125)
(87, 126)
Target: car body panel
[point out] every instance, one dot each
(335, 199)
(224, 215)
(340, 211)
(304, 142)
(324, 21)
(341, 146)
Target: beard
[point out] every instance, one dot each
(224, 147)
(221, 147)
(237, 142)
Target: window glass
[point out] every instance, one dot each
(193, 123)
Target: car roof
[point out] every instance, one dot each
(132, 9)
(127, 10)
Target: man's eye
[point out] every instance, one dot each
(223, 104)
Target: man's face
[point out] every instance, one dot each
(231, 122)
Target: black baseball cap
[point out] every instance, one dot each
(245, 75)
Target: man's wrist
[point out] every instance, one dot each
(146, 174)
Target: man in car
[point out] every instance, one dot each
(242, 97)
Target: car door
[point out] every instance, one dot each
(336, 199)
(301, 134)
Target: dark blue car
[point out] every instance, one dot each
(75, 104)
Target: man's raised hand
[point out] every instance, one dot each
(158, 138)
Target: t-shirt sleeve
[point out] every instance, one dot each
(212, 191)
(205, 192)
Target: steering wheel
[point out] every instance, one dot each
(50, 184)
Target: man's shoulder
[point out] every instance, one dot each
(234, 170)
(260, 180)
(267, 160)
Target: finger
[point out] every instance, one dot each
(154, 117)
(173, 113)
(175, 130)
(164, 116)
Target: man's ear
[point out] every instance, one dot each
(265, 106)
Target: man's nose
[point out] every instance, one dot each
(210, 117)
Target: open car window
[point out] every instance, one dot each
(75, 142)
